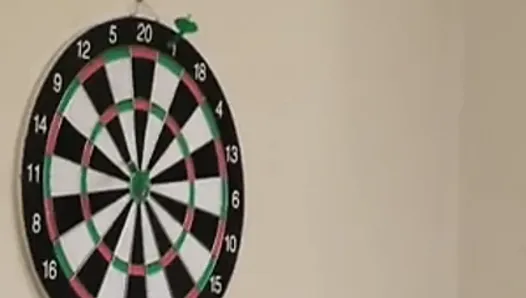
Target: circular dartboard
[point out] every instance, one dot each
(131, 174)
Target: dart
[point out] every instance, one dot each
(184, 26)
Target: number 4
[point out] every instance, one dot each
(219, 109)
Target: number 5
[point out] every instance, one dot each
(112, 38)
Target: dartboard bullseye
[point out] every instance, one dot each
(131, 173)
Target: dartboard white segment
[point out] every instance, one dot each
(195, 257)
(83, 116)
(164, 85)
(151, 253)
(196, 131)
(178, 191)
(114, 284)
(171, 227)
(123, 123)
(154, 127)
(124, 246)
(79, 104)
(106, 144)
(107, 216)
(171, 156)
(128, 125)
(77, 245)
(97, 182)
(208, 195)
(157, 286)
(119, 72)
(67, 177)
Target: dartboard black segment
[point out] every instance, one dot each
(132, 179)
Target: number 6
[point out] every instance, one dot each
(235, 199)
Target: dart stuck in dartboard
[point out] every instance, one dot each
(183, 26)
(131, 176)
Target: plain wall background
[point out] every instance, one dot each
(348, 112)
(493, 142)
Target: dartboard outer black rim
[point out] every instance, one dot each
(131, 175)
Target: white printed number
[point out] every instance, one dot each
(200, 71)
(40, 122)
(112, 34)
(232, 154)
(50, 269)
(144, 32)
(219, 109)
(36, 223)
(57, 82)
(33, 173)
(216, 286)
(235, 199)
(231, 243)
(83, 49)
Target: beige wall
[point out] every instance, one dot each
(368, 91)
(493, 143)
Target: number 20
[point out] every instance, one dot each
(144, 32)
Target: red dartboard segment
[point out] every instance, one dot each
(50, 220)
(144, 52)
(79, 288)
(82, 182)
(53, 134)
(193, 88)
(90, 69)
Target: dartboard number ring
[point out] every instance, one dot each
(131, 172)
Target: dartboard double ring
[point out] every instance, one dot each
(131, 171)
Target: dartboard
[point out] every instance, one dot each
(131, 175)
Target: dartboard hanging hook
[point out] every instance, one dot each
(138, 4)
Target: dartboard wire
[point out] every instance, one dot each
(187, 221)
(77, 284)
(201, 112)
(218, 146)
(157, 111)
(18, 161)
(93, 250)
(102, 120)
(204, 111)
(217, 246)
